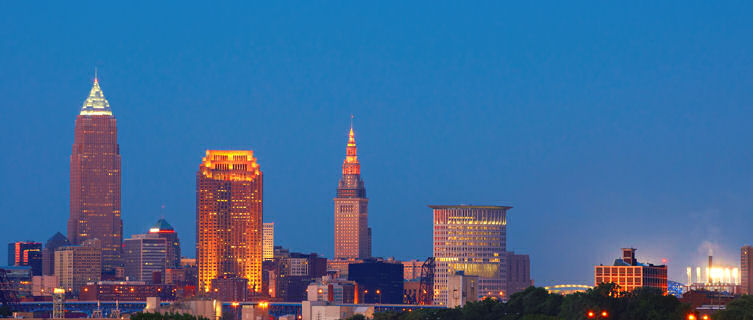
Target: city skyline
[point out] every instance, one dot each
(580, 127)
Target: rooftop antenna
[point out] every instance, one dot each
(95, 74)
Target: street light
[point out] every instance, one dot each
(379, 293)
(590, 314)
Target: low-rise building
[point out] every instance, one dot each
(43, 286)
(630, 274)
(332, 290)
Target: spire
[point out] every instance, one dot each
(351, 165)
(96, 104)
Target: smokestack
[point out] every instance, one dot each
(708, 273)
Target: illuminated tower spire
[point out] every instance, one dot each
(350, 164)
(352, 232)
(95, 103)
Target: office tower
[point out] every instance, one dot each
(229, 218)
(378, 281)
(95, 179)
(26, 253)
(746, 269)
(630, 274)
(77, 265)
(352, 232)
(268, 241)
(518, 272)
(48, 254)
(165, 231)
(471, 239)
(144, 257)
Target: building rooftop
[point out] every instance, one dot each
(96, 104)
(161, 225)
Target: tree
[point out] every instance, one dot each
(533, 301)
(164, 316)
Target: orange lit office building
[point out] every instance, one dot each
(630, 274)
(95, 179)
(471, 239)
(352, 232)
(229, 218)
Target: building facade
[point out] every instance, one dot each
(746, 269)
(95, 179)
(629, 274)
(352, 232)
(471, 239)
(75, 266)
(229, 218)
(378, 281)
(43, 285)
(268, 241)
(461, 289)
(26, 253)
(412, 269)
(518, 273)
(332, 290)
(165, 231)
(144, 258)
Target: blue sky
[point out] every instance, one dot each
(604, 124)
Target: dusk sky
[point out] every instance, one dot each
(603, 125)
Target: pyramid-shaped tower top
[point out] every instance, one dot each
(161, 226)
(96, 104)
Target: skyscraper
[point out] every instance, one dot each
(268, 240)
(471, 239)
(95, 179)
(746, 269)
(352, 232)
(165, 231)
(143, 256)
(229, 218)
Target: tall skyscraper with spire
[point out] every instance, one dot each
(229, 189)
(95, 179)
(352, 232)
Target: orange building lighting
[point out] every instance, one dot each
(229, 218)
(352, 232)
